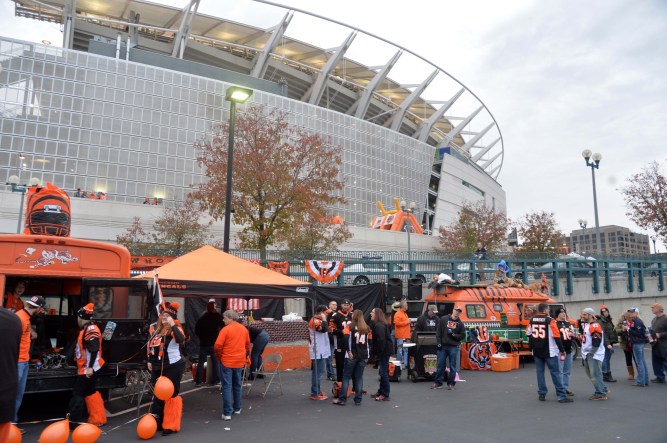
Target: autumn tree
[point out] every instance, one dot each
(645, 198)
(283, 176)
(177, 231)
(136, 239)
(538, 232)
(318, 236)
(476, 223)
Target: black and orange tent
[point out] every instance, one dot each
(210, 272)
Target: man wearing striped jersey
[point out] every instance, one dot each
(545, 342)
(592, 352)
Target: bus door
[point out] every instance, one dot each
(121, 309)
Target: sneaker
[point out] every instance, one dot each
(237, 412)
(542, 397)
(640, 385)
(381, 398)
(226, 417)
(331, 378)
(597, 397)
(570, 393)
(436, 386)
(198, 385)
(314, 397)
(376, 395)
(338, 402)
(167, 432)
(450, 387)
(657, 380)
(565, 400)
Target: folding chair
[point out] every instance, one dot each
(268, 376)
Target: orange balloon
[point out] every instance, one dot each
(146, 427)
(14, 434)
(86, 433)
(57, 432)
(164, 388)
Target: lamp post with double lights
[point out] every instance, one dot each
(14, 182)
(653, 239)
(234, 95)
(595, 164)
(409, 209)
(582, 224)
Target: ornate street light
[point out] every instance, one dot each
(583, 223)
(234, 95)
(595, 164)
(408, 228)
(653, 239)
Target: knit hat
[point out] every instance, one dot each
(86, 312)
(589, 311)
(503, 267)
(171, 308)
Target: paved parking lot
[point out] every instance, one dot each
(487, 407)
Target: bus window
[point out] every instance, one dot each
(102, 299)
(475, 311)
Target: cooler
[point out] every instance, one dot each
(395, 370)
(502, 362)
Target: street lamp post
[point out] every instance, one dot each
(408, 228)
(234, 95)
(595, 164)
(583, 223)
(653, 239)
(17, 187)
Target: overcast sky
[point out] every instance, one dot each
(559, 76)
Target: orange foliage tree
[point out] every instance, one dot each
(645, 198)
(539, 232)
(283, 176)
(476, 223)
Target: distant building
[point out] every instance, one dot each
(615, 240)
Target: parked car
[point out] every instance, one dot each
(366, 273)
(581, 267)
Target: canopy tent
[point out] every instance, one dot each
(210, 272)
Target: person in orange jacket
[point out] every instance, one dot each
(402, 331)
(232, 348)
(12, 300)
(89, 361)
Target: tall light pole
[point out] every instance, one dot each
(653, 239)
(17, 187)
(408, 228)
(595, 164)
(583, 223)
(234, 95)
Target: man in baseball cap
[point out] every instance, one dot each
(31, 308)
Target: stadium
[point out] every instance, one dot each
(119, 106)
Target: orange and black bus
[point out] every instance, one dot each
(70, 273)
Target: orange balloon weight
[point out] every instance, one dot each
(164, 388)
(57, 432)
(86, 433)
(14, 434)
(146, 427)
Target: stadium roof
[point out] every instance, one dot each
(324, 77)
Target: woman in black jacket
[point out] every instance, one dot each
(382, 347)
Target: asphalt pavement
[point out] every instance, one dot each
(486, 407)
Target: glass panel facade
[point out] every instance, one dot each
(86, 121)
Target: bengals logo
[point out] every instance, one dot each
(480, 354)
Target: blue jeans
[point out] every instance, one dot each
(565, 367)
(317, 369)
(552, 364)
(205, 351)
(258, 347)
(383, 368)
(593, 369)
(606, 363)
(23, 379)
(444, 353)
(330, 368)
(659, 364)
(402, 353)
(231, 381)
(354, 369)
(642, 369)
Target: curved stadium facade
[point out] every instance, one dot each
(118, 108)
